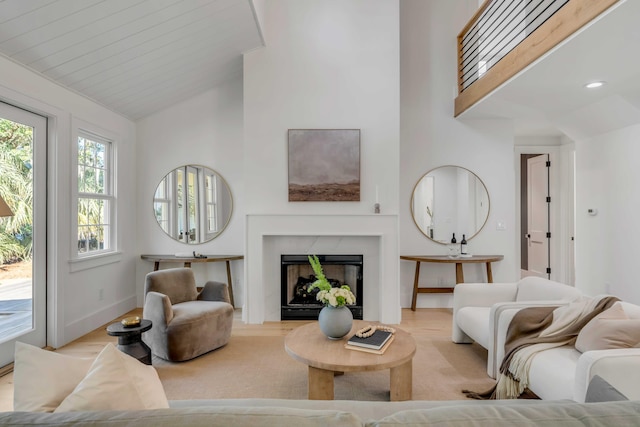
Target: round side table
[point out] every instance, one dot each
(130, 339)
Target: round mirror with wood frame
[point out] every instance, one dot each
(449, 199)
(193, 204)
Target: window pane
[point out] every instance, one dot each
(100, 182)
(100, 156)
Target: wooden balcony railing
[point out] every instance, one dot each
(505, 36)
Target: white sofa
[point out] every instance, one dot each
(482, 313)
(477, 308)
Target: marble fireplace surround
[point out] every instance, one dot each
(373, 236)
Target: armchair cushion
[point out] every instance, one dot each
(215, 291)
(178, 284)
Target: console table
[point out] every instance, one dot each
(157, 259)
(487, 259)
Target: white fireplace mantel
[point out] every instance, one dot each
(374, 236)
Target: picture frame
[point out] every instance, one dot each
(324, 165)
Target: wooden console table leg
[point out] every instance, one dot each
(459, 273)
(320, 384)
(401, 382)
(230, 284)
(416, 277)
(489, 274)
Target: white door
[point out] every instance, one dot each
(538, 215)
(23, 148)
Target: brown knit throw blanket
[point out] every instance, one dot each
(535, 329)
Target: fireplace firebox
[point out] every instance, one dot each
(298, 302)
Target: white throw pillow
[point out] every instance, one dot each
(42, 379)
(116, 381)
(610, 329)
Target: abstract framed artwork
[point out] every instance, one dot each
(324, 165)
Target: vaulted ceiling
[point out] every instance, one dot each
(132, 56)
(141, 56)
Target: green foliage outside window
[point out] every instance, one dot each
(16, 188)
(92, 209)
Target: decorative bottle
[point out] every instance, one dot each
(453, 239)
(463, 245)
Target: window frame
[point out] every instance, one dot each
(101, 256)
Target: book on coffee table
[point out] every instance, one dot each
(371, 350)
(374, 342)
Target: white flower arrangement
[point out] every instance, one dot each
(328, 295)
(337, 297)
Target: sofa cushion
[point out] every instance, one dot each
(116, 381)
(552, 373)
(536, 288)
(42, 379)
(631, 310)
(474, 321)
(600, 390)
(610, 329)
(619, 414)
(193, 417)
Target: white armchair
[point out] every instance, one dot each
(478, 309)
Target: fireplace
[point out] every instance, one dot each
(298, 302)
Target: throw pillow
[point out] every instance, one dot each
(42, 379)
(599, 390)
(116, 381)
(610, 329)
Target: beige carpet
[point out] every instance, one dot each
(259, 367)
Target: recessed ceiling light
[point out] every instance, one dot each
(594, 85)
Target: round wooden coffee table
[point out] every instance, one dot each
(326, 358)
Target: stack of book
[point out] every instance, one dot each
(376, 343)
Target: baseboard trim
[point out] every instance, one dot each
(86, 324)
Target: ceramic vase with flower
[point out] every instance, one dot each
(335, 322)
(335, 319)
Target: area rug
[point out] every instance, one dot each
(259, 367)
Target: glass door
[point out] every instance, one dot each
(23, 140)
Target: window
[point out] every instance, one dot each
(96, 200)
(211, 189)
(162, 203)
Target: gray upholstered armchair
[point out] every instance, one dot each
(186, 323)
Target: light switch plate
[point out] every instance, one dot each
(501, 225)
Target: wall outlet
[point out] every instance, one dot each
(100, 294)
(501, 225)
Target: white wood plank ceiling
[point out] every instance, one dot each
(133, 56)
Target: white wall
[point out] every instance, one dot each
(431, 137)
(73, 297)
(204, 130)
(328, 64)
(607, 177)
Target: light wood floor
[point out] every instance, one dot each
(423, 322)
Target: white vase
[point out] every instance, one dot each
(335, 322)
